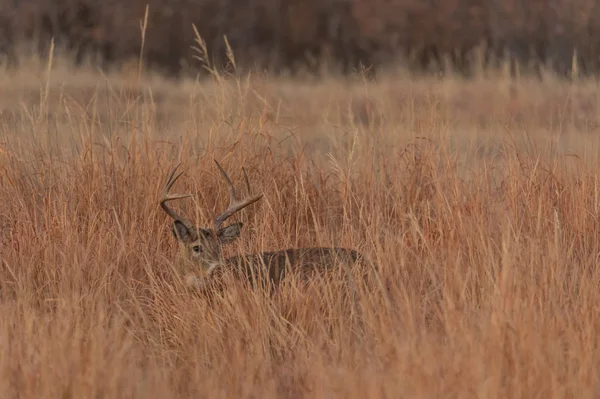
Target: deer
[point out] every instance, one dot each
(200, 248)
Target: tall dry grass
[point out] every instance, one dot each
(476, 201)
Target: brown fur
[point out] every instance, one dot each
(202, 262)
(201, 259)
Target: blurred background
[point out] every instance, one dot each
(293, 36)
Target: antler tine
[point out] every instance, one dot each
(171, 179)
(170, 197)
(235, 205)
(230, 187)
(246, 179)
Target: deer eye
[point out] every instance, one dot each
(197, 249)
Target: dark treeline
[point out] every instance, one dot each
(276, 35)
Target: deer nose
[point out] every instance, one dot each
(193, 281)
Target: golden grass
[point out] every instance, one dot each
(477, 201)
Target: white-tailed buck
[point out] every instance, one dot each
(200, 248)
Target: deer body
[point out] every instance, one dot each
(272, 267)
(203, 262)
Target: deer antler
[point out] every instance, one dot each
(235, 204)
(170, 197)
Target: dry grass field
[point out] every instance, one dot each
(477, 201)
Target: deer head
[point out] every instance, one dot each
(200, 247)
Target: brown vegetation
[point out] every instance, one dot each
(476, 201)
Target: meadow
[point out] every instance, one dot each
(476, 200)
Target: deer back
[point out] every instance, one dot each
(273, 267)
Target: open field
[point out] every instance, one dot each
(477, 201)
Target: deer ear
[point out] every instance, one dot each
(182, 232)
(230, 233)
